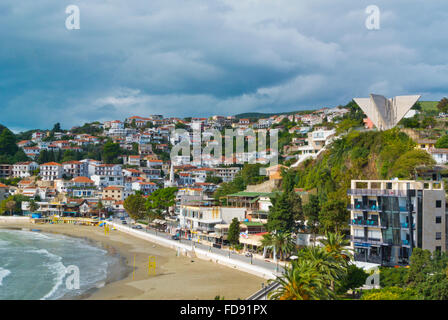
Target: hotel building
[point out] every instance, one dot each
(388, 218)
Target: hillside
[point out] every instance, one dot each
(259, 115)
(427, 106)
(360, 155)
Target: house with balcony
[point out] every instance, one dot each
(74, 168)
(24, 169)
(388, 218)
(51, 171)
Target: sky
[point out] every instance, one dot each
(185, 58)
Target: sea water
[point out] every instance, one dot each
(33, 265)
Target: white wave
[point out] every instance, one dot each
(3, 274)
(60, 270)
(56, 266)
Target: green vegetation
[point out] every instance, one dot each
(12, 204)
(286, 207)
(426, 278)
(9, 151)
(159, 201)
(442, 142)
(234, 232)
(249, 174)
(359, 155)
(319, 273)
(135, 206)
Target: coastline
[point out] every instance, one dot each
(176, 277)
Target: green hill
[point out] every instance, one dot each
(360, 155)
(429, 105)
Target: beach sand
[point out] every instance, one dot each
(175, 277)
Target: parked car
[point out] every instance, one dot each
(138, 227)
(124, 222)
(175, 237)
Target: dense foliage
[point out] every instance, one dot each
(359, 155)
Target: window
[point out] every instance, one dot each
(438, 248)
(438, 235)
(438, 219)
(438, 203)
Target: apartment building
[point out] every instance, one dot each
(388, 218)
(75, 168)
(108, 170)
(107, 180)
(5, 170)
(24, 169)
(113, 192)
(227, 173)
(197, 219)
(51, 171)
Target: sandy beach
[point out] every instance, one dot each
(176, 277)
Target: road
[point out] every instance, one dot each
(223, 252)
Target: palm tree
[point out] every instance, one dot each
(300, 281)
(10, 205)
(267, 242)
(336, 246)
(33, 206)
(330, 269)
(284, 243)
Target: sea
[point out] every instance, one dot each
(44, 266)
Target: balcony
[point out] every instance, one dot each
(367, 240)
(366, 223)
(376, 192)
(360, 207)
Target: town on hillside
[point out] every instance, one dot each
(383, 191)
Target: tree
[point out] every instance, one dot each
(311, 212)
(213, 179)
(333, 215)
(281, 217)
(33, 206)
(100, 207)
(10, 205)
(300, 281)
(8, 144)
(443, 105)
(160, 201)
(429, 122)
(135, 206)
(56, 127)
(442, 142)
(419, 266)
(234, 232)
(332, 270)
(283, 243)
(337, 247)
(355, 278)
(111, 151)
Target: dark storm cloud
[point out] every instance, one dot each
(204, 57)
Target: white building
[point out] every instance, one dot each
(51, 171)
(24, 169)
(440, 155)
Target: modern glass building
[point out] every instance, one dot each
(388, 218)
